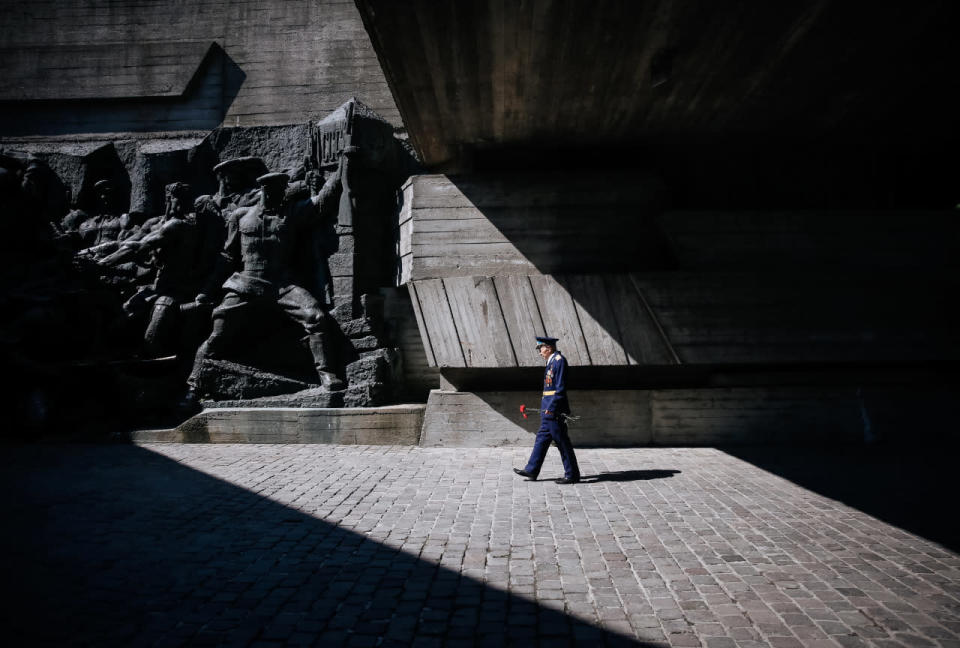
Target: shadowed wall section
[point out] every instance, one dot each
(621, 282)
(696, 327)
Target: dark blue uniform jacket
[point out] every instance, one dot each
(555, 387)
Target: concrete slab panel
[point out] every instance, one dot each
(491, 419)
(388, 425)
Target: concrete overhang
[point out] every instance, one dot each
(496, 74)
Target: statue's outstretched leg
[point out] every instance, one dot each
(318, 346)
(163, 324)
(300, 306)
(227, 320)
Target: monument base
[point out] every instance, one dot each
(388, 425)
(708, 416)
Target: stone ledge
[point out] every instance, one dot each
(786, 414)
(493, 419)
(388, 425)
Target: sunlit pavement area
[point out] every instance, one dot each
(366, 546)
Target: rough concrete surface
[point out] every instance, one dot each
(477, 419)
(388, 425)
(362, 546)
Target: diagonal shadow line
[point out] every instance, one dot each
(205, 102)
(119, 545)
(905, 486)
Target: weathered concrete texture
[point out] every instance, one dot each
(390, 425)
(372, 378)
(836, 414)
(142, 69)
(312, 397)
(296, 60)
(155, 165)
(485, 419)
(72, 163)
(282, 148)
(756, 415)
(606, 73)
(499, 257)
(518, 223)
(219, 379)
(601, 320)
(418, 376)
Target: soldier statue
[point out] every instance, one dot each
(99, 233)
(175, 242)
(260, 246)
(237, 188)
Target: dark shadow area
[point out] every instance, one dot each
(925, 374)
(629, 278)
(202, 106)
(629, 475)
(909, 487)
(116, 545)
(845, 170)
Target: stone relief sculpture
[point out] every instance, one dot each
(175, 243)
(237, 187)
(260, 245)
(100, 231)
(264, 292)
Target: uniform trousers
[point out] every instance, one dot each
(553, 430)
(230, 323)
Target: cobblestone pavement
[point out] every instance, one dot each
(365, 546)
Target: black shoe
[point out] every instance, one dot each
(524, 473)
(567, 480)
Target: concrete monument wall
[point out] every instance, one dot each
(680, 327)
(77, 66)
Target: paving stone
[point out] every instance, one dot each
(719, 642)
(334, 545)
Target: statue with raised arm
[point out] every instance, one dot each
(259, 250)
(237, 188)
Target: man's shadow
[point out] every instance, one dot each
(628, 475)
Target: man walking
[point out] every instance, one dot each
(553, 410)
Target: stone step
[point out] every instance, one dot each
(387, 425)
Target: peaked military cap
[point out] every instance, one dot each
(273, 178)
(240, 164)
(542, 339)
